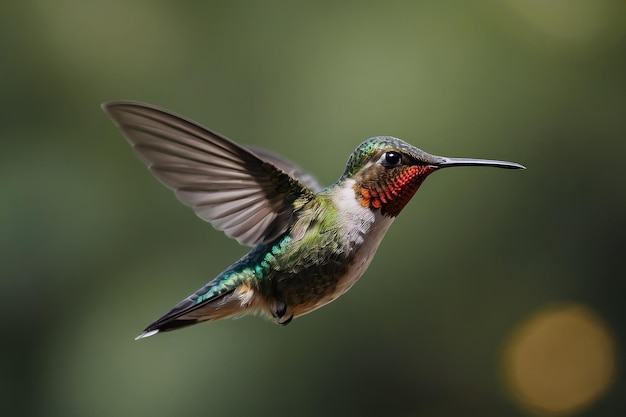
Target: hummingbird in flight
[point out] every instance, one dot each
(310, 244)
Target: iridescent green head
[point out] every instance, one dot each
(371, 149)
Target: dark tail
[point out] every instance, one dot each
(189, 312)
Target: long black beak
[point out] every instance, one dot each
(460, 162)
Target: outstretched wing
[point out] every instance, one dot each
(250, 199)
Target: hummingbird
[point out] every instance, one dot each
(310, 244)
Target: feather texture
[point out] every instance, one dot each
(250, 198)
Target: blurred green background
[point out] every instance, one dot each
(495, 293)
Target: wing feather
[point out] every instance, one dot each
(249, 195)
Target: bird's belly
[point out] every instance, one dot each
(320, 288)
(300, 306)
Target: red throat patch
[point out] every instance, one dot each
(393, 194)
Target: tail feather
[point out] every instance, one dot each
(178, 317)
(165, 327)
(188, 312)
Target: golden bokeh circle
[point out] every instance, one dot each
(560, 360)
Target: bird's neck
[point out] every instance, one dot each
(361, 225)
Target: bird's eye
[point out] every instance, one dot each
(392, 159)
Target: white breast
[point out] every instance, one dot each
(365, 230)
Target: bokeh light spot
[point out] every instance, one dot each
(560, 360)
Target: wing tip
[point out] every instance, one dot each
(110, 107)
(107, 106)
